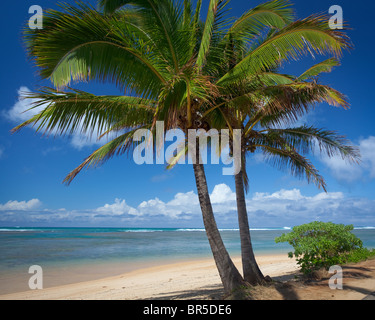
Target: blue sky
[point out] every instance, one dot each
(124, 194)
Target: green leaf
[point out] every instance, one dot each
(81, 44)
(79, 111)
(275, 14)
(280, 154)
(310, 35)
(214, 8)
(117, 146)
(305, 139)
(164, 18)
(324, 66)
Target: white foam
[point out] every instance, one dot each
(15, 229)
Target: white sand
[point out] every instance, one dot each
(183, 280)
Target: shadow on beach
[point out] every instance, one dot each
(358, 283)
(213, 292)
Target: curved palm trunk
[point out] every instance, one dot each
(228, 272)
(251, 271)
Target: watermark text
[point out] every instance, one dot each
(183, 146)
(36, 280)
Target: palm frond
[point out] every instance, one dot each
(282, 156)
(324, 66)
(274, 14)
(284, 104)
(215, 10)
(308, 138)
(167, 22)
(79, 111)
(80, 43)
(187, 13)
(116, 146)
(310, 35)
(197, 12)
(110, 6)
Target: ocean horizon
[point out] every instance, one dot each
(72, 254)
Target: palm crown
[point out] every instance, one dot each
(174, 67)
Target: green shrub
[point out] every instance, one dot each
(323, 244)
(361, 254)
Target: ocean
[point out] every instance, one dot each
(68, 255)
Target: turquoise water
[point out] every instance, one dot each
(22, 247)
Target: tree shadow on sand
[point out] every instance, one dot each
(294, 286)
(213, 292)
(291, 286)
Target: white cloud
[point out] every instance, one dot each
(119, 207)
(184, 199)
(294, 194)
(222, 193)
(280, 208)
(21, 205)
(343, 170)
(223, 200)
(367, 147)
(81, 140)
(283, 207)
(181, 206)
(328, 195)
(292, 207)
(154, 207)
(20, 112)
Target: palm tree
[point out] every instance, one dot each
(142, 49)
(254, 48)
(171, 66)
(262, 113)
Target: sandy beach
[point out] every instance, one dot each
(200, 280)
(183, 280)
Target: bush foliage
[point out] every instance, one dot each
(323, 244)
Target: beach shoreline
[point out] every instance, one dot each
(184, 279)
(199, 280)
